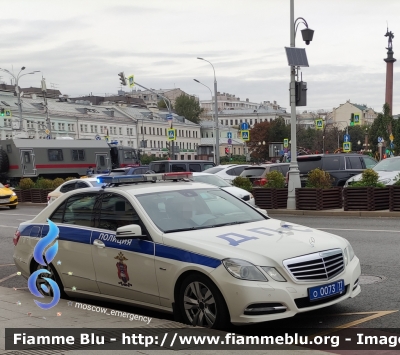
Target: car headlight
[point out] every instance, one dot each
(273, 273)
(348, 254)
(13, 194)
(243, 270)
(385, 181)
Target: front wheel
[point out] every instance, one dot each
(202, 304)
(13, 207)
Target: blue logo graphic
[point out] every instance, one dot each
(50, 253)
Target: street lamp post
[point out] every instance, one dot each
(294, 174)
(16, 78)
(214, 144)
(215, 114)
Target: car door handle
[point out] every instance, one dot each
(99, 243)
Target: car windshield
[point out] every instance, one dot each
(213, 170)
(193, 209)
(391, 164)
(212, 180)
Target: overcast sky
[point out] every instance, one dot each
(81, 46)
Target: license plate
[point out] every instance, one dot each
(318, 292)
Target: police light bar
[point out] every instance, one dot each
(126, 179)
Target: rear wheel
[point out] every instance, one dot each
(202, 304)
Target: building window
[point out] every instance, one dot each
(78, 154)
(53, 126)
(55, 154)
(145, 130)
(120, 132)
(236, 122)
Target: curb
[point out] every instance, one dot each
(334, 213)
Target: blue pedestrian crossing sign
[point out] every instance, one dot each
(347, 147)
(97, 137)
(356, 119)
(346, 138)
(229, 135)
(246, 135)
(171, 133)
(319, 124)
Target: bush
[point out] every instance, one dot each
(319, 179)
(43, 183)
(70, 178)
(243, 183)
(26, 184)
(369, 178)
(275, 180)
(57, 182)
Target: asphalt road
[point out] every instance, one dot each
(375, 242)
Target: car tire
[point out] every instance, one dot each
(202, 304)
(54, 276)
(13, 207)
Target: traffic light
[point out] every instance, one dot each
(2, 112)
(352, 119)
(231, 157)
(122, 78)
(227, 152)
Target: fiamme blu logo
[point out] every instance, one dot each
(43, 253)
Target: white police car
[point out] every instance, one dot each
(188, 248)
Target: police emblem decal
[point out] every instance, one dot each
(122, 270)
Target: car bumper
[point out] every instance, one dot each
(281, 299)
(13, 201)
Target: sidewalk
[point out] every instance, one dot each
(18, 310)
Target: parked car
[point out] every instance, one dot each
(388, 170)
(256, 173)
(72, 185)
(228, 172)
(8, 198)
(173, 166)
(215, 180)
(341, 166)
(143, 169)
(186, 248)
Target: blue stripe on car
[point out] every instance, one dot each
(79, 235)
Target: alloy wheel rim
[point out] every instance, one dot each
(199, 304)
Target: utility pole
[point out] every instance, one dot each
(48, 123)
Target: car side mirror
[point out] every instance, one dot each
(131, 231)
(264, 212)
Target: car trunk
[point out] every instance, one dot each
(253, 174)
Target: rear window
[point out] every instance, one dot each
(306, 165)
(252, 172)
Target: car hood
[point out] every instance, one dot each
(382, 175)
(5, 191)
(236, 191)
(263, 243)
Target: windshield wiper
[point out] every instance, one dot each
(182, 229)
(232, 223)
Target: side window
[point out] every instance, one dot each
(284, 169)
(102, 160)
(354, 163)
(77, 210)
(68, 187)
(117, 212)
(9, 150)
(207, 166)
(273, 168)
(78, 154)
(175, 168)
(55, 154)
(158, 168)
(369, 163)
(195, 168)
(27, 158)
(331, 163)
(231, 172)
(82, 185)
(239, 169)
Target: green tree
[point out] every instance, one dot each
(162, 104)
(188, 107)
(380, 128)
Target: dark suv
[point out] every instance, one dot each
(340, 166)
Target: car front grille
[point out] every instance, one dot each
(320, 266)
(246, 198)
(3, 197)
